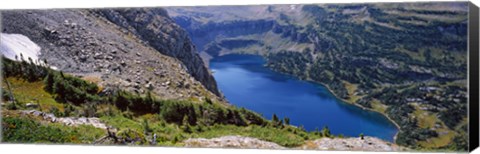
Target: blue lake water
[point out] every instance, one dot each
(245, 82)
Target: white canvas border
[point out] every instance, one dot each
(83, 149)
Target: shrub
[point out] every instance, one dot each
(12, 106)
(23, 130)
(131, 136)
(56, 111)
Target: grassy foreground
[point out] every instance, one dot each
(132, 115)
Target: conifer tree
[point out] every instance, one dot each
(326, 131)
(186, 125)
(274, 118)
(287, 121)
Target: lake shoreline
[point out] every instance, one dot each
(358, 105)
(328, 89)
(347, 101)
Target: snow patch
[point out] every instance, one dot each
(12, 45)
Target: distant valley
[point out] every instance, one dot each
(405, 60)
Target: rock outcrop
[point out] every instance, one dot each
(341, 144)
(351, 144)
(68, 121)
(232, 142)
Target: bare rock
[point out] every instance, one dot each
(232, 142)
(351, 144)
(31, 105)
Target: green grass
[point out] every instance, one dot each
(121, 122)
(19, 129)
(170, 134)
(280, 136)
(425, 119)
(377, 106)
(133, 116)
(25, 130)
(428, 120)
(414, 55)
(440, 141)
(351, 90)
(32, 92)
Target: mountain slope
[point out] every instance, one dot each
(85, 43)
(155, 27)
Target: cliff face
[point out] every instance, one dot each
(215, 29)
(135, 50)
(159, 31)
(203, 34)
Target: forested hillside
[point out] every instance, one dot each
(406, 60)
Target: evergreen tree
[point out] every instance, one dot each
(287, 121)
(146, 126)
(276, 121)
(186, 125)
(326, 132)
(49, 81)
(274, 118)
(317, 131)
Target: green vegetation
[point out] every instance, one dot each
(25, 130)
(384, 63)
(285, 137)
(405, 61)
(70, 89)
(136, 118)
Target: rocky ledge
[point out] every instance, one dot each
(232, 142)
(351, 144)
(69, 121)
(342, 144)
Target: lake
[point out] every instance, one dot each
(245, 82)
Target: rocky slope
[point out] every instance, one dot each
(92, 44)
(351, 144)
(160, 31)
(231, 142)
(342, 144)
